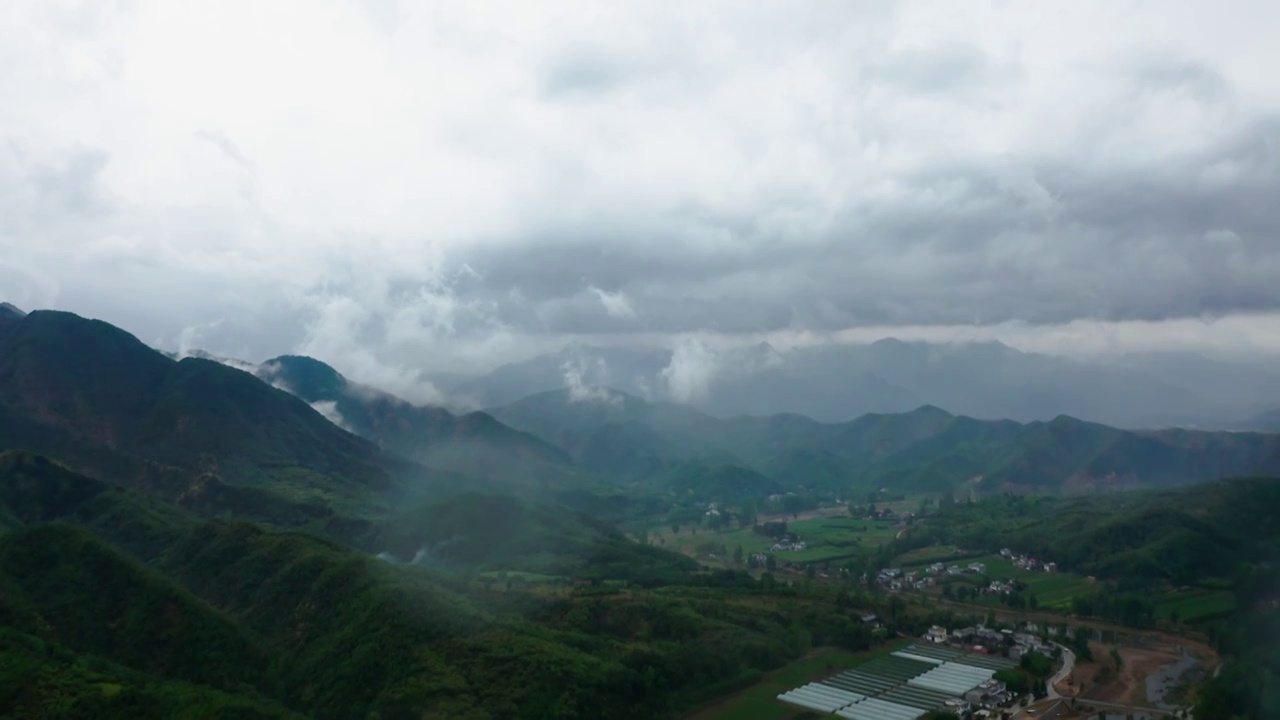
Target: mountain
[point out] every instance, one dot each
(192, 431)
(631, 369)
(1265, 422)
(115, 606)
(838, 382)
(924, 449)
(1181, 536)
(8, 310)
(474, 443)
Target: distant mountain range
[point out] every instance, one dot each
(1265, 422)
(835, 383)
(292, 441)
(926, 449)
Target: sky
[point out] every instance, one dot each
(399, 186)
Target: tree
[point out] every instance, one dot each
(748, 515)
(770, 563)
(737, 555)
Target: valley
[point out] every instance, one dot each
(188, 538)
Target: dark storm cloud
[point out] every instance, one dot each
(1185, 236)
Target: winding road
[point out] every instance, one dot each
(1068, 664)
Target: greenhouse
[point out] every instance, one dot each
(901, 686)
(953, 678)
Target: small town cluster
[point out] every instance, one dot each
(1025, 562)
(897, 579)
(986, 641)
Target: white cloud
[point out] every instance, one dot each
(329, 409)
(324, 174)
(694, 365)
(586, 379)
(616, 304)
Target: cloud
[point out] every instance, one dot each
(586, 378)
(616, 304)
(329, 409)
(694, 365)
(344, 331)
(188, 341)
(400, 190)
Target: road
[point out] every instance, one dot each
(1068, 663)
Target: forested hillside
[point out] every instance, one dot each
(117, 606)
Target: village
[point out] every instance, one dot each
(896, 579)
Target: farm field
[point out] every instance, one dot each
(520, 576)
(932, 554)
(759, 702)
(826, 539)
(1194, 604)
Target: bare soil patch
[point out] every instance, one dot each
(1125, 684)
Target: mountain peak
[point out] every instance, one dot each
(306, 377)
(11, 310)
(930, 411)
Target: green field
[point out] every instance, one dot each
(934, 553)
(1195, 604)
(1052, 590)
(759, 702)
(517, 575)
(827, 538)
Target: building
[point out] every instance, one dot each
(936, 634)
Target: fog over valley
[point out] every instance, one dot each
(559, 360)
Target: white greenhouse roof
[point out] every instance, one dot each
(873, 709)
(954, 678)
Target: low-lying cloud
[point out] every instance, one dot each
(694, 366)
(586, 379)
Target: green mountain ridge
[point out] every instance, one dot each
(925, 449)
(193, 431)
(474, 443)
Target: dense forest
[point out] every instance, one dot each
(118, 606)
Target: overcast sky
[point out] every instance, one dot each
(397, 185)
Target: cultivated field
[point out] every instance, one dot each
(826, 538)
(759, 702)
(1194, 604)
